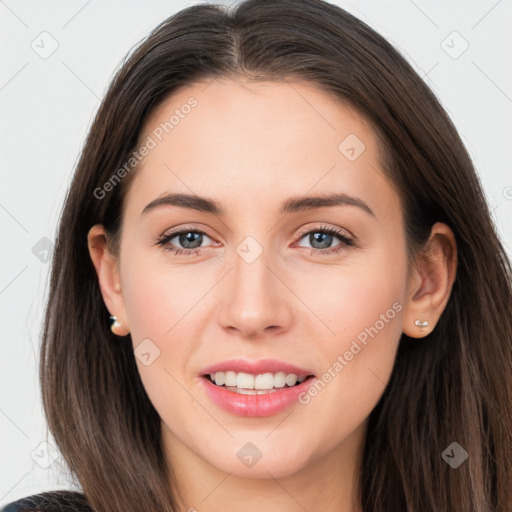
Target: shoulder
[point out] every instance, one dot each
(52, 501)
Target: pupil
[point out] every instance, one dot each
(189, 238)
(318, 236)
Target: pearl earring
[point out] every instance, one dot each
(421, 324)
(115, 325)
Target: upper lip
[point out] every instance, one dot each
(256, 367)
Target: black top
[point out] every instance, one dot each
(52, 501)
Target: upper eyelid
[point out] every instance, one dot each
(337, 231)
(186, 229)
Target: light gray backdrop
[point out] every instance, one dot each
(56, 61)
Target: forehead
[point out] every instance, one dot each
(243, 141)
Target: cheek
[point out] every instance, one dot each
(353, 297)
(167, 311)
(363, 309)
(159, 297)
(163, 341)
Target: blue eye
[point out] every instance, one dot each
(191, 241)
(323, 236)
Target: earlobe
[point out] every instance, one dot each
(431, 282)
(107, 270)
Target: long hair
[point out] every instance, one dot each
(452, 386)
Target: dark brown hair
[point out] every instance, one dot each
(455, 385)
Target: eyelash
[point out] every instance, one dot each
(345, 241)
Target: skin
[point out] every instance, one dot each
(250, 146)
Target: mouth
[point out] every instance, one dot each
(246, 399)
(262, 388)
(259, 384)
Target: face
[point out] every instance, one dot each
(313, 289)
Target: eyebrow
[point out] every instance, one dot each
(291, 205)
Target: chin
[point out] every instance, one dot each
(263, 458)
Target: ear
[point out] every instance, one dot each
(430, 282)
(107, 269)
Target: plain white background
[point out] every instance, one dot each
(47, 103)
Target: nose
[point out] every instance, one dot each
(257, 302)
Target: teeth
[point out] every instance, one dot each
(291, 379)
(246, 381)
(265, 381)
(219, 378)
(229, 378)
(242, 391)
(279, 380)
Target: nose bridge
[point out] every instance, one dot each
(255, 299)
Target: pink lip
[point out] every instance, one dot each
(256, 367)
(255, 405)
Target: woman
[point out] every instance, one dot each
(368, 370)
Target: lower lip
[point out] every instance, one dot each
(255, 405)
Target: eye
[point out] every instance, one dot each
(321, 238)
(190, 240)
